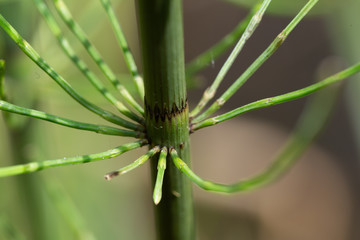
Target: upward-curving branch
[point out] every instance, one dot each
(267, 102)
(35, 57)
(210, 92)
(257, 63)
(81, 65)
(129, 58)
(95, 55)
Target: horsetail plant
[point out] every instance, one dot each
(159, 116)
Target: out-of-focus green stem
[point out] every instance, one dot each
(257, 63)
(35, 57)
(66, 47)
(205, 58)
(344, 25)
(2, 77)
(250, 29)
(80, 34)
(267, 102)
(68, 210)
(8, 230)
(129, 59)
(38, 166)
(311, 123)
(5, 106)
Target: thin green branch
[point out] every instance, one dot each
(2, 78)
(312, 121)
(257, 63)
(5, 106)
(205, 58)
(35, 57)
(157, 195)
(129, 59)
(138, 162)
(66, 47)
(210, 92)
(93, 52)
(267, 102)
(38, 166)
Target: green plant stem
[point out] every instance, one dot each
(67, 208)
(5, 106)
(137, 163)
(8, 230)
(250, 29)
(93, 52)
(312, 121)
(166, 111)
(2, 77)
(35, 57)
(267, 102)
(129, 59)
(30, 204)
(38, 166)
(205, 58)
(157, 194)
(81, 65)
(257, 63)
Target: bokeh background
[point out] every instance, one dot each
(317, 199)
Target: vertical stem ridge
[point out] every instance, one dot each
(166, 110)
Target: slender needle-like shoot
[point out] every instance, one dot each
(312, 121)
(279, 99)
(35, 57)
(210, 55)
(160, 176)
(81, 65)
(129, 58)
(138, 162)
(257, 63)
(2, 78)
(93, 52)
(38, 166)
(5, 106)
(210, 92)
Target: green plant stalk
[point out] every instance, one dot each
(129, 59)
(205, 58)
(5, 106)
(93, 52)
(67, 208)
(81, 65)
(166, 111)
(257, 63)
(9, 230)
(38, 166)
(312, 121)
(250, 29)
(343, 26)
(267, 102)
(35, 57)
(27, 186)
(2, 77)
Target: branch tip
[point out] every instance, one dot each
(111, 175)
